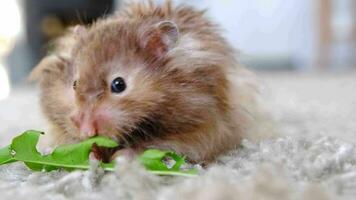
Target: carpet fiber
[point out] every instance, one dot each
(313, 158)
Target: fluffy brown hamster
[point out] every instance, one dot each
(149, 76)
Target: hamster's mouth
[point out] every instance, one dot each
(146, 130)
(104, 154)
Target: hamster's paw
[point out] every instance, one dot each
(126, 153)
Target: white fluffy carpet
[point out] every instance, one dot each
(314, 158)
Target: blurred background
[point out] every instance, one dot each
(315, 36)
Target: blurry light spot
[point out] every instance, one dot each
(10, 21)
(4, 83)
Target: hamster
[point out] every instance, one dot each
(150, 75)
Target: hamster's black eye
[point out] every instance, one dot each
(118, 85)
(75, 85)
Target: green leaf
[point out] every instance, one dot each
(70, 156)
(5, 155)
(76, 156)
(153, 161)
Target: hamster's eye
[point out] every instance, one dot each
(118, 85)
(74, 85)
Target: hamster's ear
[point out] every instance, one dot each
(57, 65)
(160, 38)
(50, 66)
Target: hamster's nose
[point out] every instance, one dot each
(85, 124)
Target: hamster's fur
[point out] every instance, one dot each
(185, 90)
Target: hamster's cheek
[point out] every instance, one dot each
(68, 96)
(107, 120)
